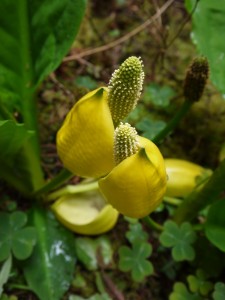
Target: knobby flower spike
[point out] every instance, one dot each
(135, 186)
(125, 88)
(196, 78)
(85, 140)
(125, 142)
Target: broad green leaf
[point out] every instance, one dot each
(208, 29)
(211, 261)
(180, 239)
(12, 137)
(135, 260)
(219, 293)
(49, 270)
(5, 272)
(88, 251)
(215, 224)
(180, 292)
(16, 151)
(14, 237)
(35, 36)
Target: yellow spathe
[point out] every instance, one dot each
(85, 213)
(85, 140)
(135, 187)
(182, 176)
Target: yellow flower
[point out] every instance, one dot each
(135, 187)
(85, 140)
(182, 176)
(85, 213)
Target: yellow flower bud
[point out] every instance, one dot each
(85, 140)
(182, 176)
(135, 187)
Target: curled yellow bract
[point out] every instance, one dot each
(85, 140)
(135, 187)
(85, 213)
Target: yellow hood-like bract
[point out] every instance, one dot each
(135, 187)
(85, 140)
(85, 213)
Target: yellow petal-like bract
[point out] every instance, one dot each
(182, 176)
(135, 187)
(85, 140)
(85, 213)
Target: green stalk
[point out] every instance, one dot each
(173, 122)
(28, 99)
(152, 224)
(172, 201)
(198, 200)
(73, 189)
(59, 179)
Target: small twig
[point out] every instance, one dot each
(182, 25)
(117, 295)
(124, 38)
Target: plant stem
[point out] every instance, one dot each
(173, 122)
(152, 224)
(172, 201)
(198, 200)
(59, 179)
(27, 93)
(73, 189)
(19, 286)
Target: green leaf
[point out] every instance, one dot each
(49, 270)
(211, 261)
(14, 238)
(35, 36)
(12, 137)
(5, 272)
(158, 95)
(150, 128)
(219, 293)
(199, 283)
(180, 292)
(88, 251)
(215, 224)
(16, 151)
(208, 28)
(180, 239)
(136, 234)
(135, 260)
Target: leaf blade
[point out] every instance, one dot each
(49, 270)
